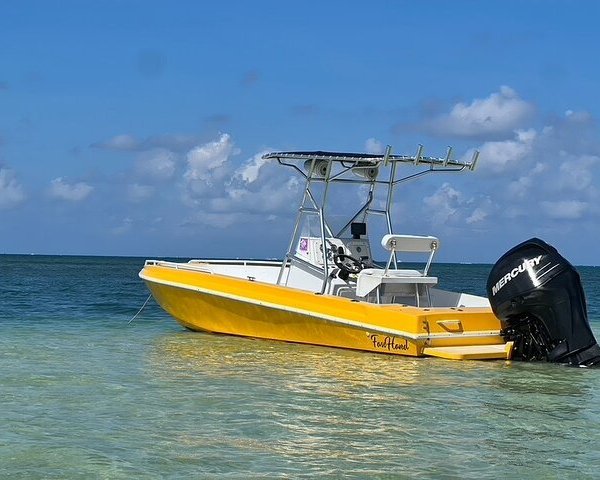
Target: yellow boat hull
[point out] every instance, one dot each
(222, 304)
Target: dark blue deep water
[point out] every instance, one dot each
(84, 394)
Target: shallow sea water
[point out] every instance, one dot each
(84, 394)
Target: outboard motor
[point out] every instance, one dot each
(537, 295)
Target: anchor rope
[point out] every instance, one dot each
(140, 310)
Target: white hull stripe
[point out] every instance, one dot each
(323, 316)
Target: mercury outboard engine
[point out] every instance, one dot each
(537, 294)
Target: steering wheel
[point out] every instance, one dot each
(347, 263)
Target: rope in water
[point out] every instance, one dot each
(140, 310)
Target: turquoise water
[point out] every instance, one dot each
(85, 395)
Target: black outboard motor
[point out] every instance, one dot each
(537, 294)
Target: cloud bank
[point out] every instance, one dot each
(535, 179)
(229, 191)
(76, 192)
(531, 176)
(495, 115)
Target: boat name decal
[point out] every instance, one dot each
(388, 342)
(527, 264)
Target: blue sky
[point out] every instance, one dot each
(136, 127)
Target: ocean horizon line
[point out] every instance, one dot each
(176, 257)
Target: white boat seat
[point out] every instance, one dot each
(371, 278)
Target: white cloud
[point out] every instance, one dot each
(374, 146)
(551, 172)
(11, 191)
(157, 164)
(138, 193)
(448, 206)
(271, 197)
(564, 209)
(129, 143)
(123, 142)
(250, 170)
(576, 173)
(443, 204)
(500, 113)
(478, 215)
(485, 211)
(208, 166)
(578, 117)
(501, 156)
(228, 193)
(520, 187)
(70, 192)
(174, 142)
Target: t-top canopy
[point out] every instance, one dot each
(375, 158)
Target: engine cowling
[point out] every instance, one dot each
(537, 295)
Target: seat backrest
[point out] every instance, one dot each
(411, 244)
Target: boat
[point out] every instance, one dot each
(329, 290)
